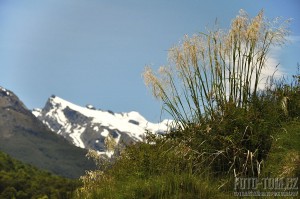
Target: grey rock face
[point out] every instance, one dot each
(26, 138)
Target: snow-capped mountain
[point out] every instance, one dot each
(89, 128)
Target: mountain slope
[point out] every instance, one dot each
(27, 139)
(89, 128)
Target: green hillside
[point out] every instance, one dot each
(22, 181)
(284, 157)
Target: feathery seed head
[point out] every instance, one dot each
(153, 83)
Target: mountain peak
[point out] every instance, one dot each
(87, 127)
(10, 101)
(4, 91)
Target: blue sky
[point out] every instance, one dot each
(94, 51)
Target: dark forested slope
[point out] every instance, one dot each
(19, 180)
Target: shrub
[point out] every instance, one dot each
(211, 89)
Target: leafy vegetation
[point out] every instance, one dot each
(226, 126)
(21, 181)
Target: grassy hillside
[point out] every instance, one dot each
(162, 171)
(22, 181)
(284, 157)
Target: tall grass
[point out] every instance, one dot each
(160, 170)
(209, 71)
(211, 89)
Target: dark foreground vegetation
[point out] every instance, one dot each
(22, 181)
(226, 126)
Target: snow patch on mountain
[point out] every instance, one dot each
(88, 128)
(5, 91)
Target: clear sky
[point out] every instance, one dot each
(94, 51)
